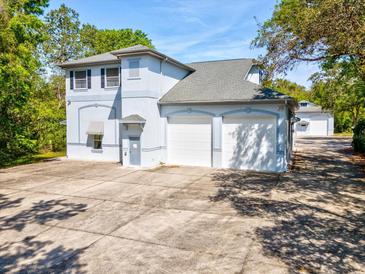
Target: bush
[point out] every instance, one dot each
(358, 140)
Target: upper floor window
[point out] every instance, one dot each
(303, 104)
(134, 68)
(112, 77)
(80, 79)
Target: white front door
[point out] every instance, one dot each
(189, 141)
(249, 143)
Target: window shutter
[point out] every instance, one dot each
(71, 79)
(102, 74)
(120, 76)
(89, 78)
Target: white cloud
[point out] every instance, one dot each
(178, 43)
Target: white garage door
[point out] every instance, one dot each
(189, 141)
(318, 127)
(249, 143)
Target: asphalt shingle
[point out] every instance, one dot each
(219, 81)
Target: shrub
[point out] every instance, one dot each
(358, 140)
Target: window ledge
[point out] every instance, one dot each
(97, 150)
(134, 78)
(113, 87)
(80, 89)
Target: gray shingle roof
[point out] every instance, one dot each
(133, 119)
(217, 82)
(100, 58)
(311, 107)
(112, 57)
(130, 49)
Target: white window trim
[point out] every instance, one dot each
(74, 80)
(139, 69)
(105, 76)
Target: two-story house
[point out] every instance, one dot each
(143, 108)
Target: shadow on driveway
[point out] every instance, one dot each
(29, 255)
(318, 210)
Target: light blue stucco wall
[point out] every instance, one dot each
(135, 96)
(140, 96)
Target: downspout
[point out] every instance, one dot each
(120, 127)
(162, 75)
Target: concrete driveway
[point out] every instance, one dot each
(76, 217)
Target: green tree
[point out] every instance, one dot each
(63, 41)
(21, 32)
(340, 89)
(313, 31)
(98, 41)
(292, 89)
(48, 110)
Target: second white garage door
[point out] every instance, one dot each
(318, 127)
(249, 143)
(189, 141)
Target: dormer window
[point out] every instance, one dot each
(80, 79)
(112, 77)
(303, 104)
(134, 68)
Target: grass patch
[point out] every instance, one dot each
(33, 158)
(344, 134)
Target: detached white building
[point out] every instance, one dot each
(313, 120)
(143, 108)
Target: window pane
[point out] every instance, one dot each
(112, 77)
(80, 83)
(80, 74)
(80, 79)
(112, 72)
(134, 68)
(112, 81)
(97, 142)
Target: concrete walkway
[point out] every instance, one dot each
(87, 217)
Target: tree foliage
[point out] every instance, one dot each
(292, 89)
(21, 32)
(47, 113)
(358, 142)
(63, 40)
(341, 89)
(98, 41)
(313, 30)
(330, 33)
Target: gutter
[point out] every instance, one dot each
(249, 101)
(68, 66)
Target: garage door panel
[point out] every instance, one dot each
(189, 141)
(249, 143)
(318, 127)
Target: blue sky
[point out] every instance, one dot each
(188, 30)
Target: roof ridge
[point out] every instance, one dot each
(222, 60)
(138, 46)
